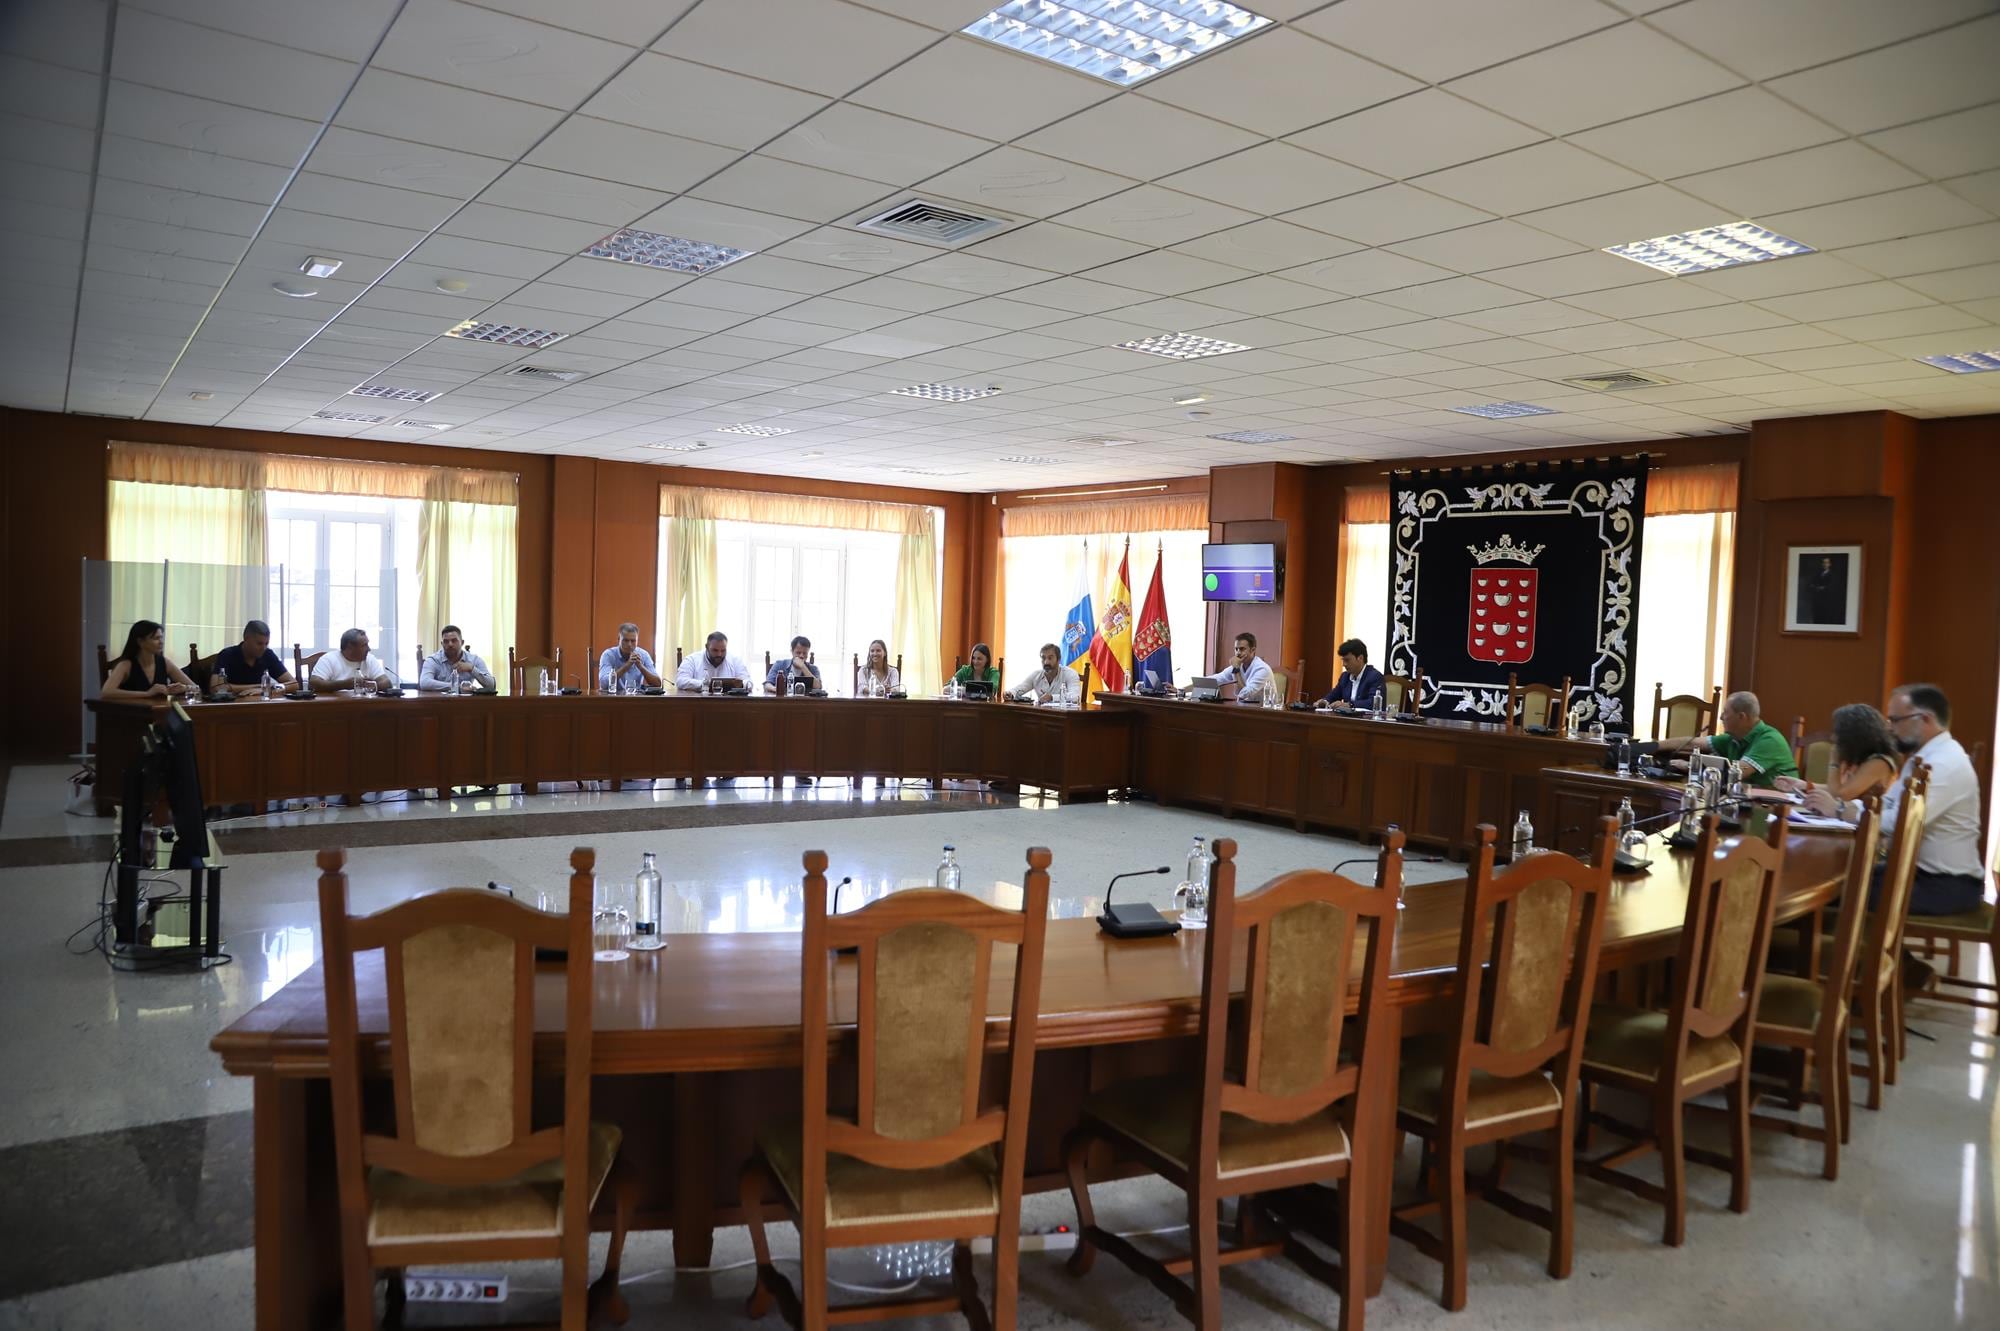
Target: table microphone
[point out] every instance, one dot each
(1134, 919)
(835, 910)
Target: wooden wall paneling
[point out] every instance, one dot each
(1320, 586)
(1290, 509)
(1810, 674)
(1899, 469)
(626, 543)
(572, 572)
(1335, 781)
(418, 751)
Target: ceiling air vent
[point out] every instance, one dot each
(1617, 382)
(931, 223)
(543, 372)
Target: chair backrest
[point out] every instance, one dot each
(1684, 714)
(1403, 693)
(199, 668)
(922, 962)
(857, 672)
(1299, 932)
(1882, 942)
(1296, 689)
(1538, 705)
(1527, 962)
(304, 661)
(104, 663)
(525, 685)
(679, 656)
(420, 663)
(459, 979)
(1719, 973)
(1852, 919)
(1083, 688)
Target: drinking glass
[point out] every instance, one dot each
(1192, 898)
(611, 921)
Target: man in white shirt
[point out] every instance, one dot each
(1950, 869)
(338, 672)
(1248, 672)
(628, 665)
(452, 662)
(1054, 682)
(712, 662)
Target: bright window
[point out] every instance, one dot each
(1364, 578)
(836, 587)
(344, 561)
(1041, 587)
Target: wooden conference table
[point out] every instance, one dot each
(253, 751)
(698, 1044)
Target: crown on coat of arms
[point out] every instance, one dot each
(1505, 548)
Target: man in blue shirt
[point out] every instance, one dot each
(798, 667)
(451, 661)
(1357, 683)
(628, 666)
(241, 668)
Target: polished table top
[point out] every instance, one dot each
(716, 1001)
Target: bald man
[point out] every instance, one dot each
(1746, 738)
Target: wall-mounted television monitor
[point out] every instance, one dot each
(1242, 572)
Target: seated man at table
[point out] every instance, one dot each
(1763, 750)
(628, 667)
(1355, 687)
(241, 667)
(1949, 866)
(1053, 683)
(452, 662)
(712, 662)
(341, 671)
(1252, 678)
(795, 670)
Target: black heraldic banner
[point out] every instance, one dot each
(1529, 571)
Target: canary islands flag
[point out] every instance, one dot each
(1112, 652)
(1079, 625)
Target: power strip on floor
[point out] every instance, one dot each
(443, 1288)
(1060, 1239)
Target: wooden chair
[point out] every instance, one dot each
(1815, 753)
(1809, 1014)
(1701, 1042)
(1537, 706)
(1295, 688)
(856, 687)
(302, 664)
(1685, 714)
(104, 664)
(1508, 1063)
(1275, 1108)
(1403, 693)
(464, 1176)
(199, 668)
(1878, 975)
(915, 1159)
(418, 678)
(1978, 925)
(1083, 688)
(524, 685)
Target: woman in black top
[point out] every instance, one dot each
(1864, 759)
(142, 670)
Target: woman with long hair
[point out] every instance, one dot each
(877, 672)
(981, 669)
(143, 671)
(1865, 761)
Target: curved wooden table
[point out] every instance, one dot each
(694, 1047)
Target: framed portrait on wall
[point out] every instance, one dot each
(1823, 589)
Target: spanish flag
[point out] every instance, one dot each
(1111, 650)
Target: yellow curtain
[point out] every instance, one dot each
(466, 565)
(185, 538)
(790, 510)
(691, 590)
(914, 624)
(1167, 512)
(1710, 488)
(387, 480)
(1366, 503)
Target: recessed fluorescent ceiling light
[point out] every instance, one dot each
(395, 394)
(1182, 346)
(1029, 460)
(945, 392)
(1255, 437)
(1965, 362)
(1500, 411)
(423, 425)
(506, 334)
(758, 431)
(293, 290)
(678, 448)
(1119, 41)
(812, 455)
(1710, 248)
(1097, 441)
(669, 252)
(353, 417)
(1190, 400)
(318, 265)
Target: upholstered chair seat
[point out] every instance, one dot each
(1791, 1001)
(1634, 1041)
(1159, 1113)
(858, 1193)
(402, 1209)
(1490, 1101)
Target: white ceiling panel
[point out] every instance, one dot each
(400, 107)
(787, 189)
(1843, 170)
(873, 145)
(1137, 138)
(1024, 184)
(477, 48)
(1151, 215)
(1926, 76)
(1538, 176)
(1426, 131)
(1436, 40)
(1949, 145)
(1610, 75)
(1296, 82)
(970, 86)
(180, 57)
(401, 164)
(629, 155)
(563, 194)
(1730, 127)
(696, 102)
(822, 46)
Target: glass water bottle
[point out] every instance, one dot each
(646, 907)
(948, 872)
(1524, 836)
(1192, 894)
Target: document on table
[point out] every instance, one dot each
(1816, 822)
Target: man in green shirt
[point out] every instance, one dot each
(1746, 738)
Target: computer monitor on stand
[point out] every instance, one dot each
(149, 930)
